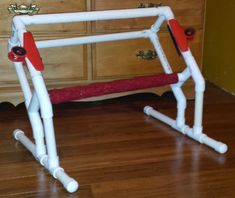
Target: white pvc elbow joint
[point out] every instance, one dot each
(200, 84)
(167, 12)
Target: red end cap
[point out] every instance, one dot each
(17, 54)
(32, 51)
(179, 35)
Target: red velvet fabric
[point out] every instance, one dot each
(97, 89)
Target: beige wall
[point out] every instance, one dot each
(219, 44)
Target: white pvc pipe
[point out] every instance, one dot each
(53, 160)
(70, 184)
(198, 112)
(46, 113)
(151, 112)
(92, 39)
(20, 136)
(161, 55)
(34, 105)
(194, 70)
(183, 76)
(200, 137)
(23, 82)
(41, 91)
(36, 123)
(156, 26)
(93, 16)
(199, 89)
(178, 93)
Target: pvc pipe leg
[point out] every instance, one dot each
(21, 137)
(200, 137)
(218, 146)
(151, 112)
(70, 184)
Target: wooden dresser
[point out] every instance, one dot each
(104, 61)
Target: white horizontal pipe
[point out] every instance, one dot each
(92, 39)
(151, 112)
(69, 183)
(20, 136)
(218, 146)
(200, 137)
(94, 16)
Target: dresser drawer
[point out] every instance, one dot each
(61, 64)
(188, 12)
(65, 63)
(52, 6)
(7, 70)
(118, 59)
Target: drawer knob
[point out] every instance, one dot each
(23, 9)
(149, 5)
(147, 55)
(190, 33)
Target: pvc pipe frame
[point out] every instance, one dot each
(39, 101)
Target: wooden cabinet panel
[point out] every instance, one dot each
(7, 70)
(52, 6)
(65, 63)
(101, 61)
(188, 12)
(118, 59)
(61, 64)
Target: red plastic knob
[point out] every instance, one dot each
(17, 54)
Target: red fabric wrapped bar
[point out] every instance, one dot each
(97, 89)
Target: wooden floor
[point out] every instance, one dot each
(115, 151)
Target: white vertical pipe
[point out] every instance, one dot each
(36, 123)
(34, 104)
(23, 82)
(156, 26)
(198, 112)
(46, 113)
(178, 93)
(161, 55)
(41, 91)
(13, 40)
(199, 89)
(53, 160)
(194, 70)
